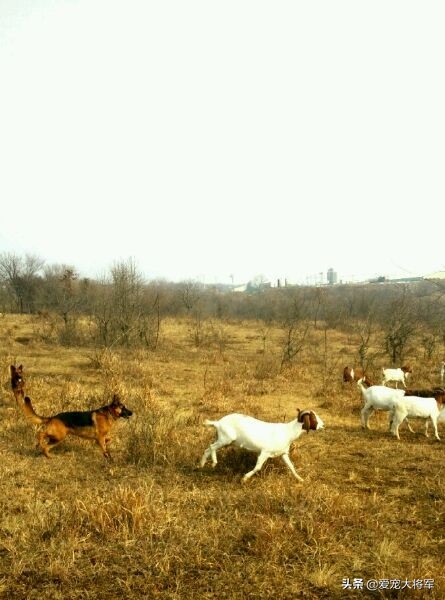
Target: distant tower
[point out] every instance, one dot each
(332, 276)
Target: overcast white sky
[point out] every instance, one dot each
(238, 138)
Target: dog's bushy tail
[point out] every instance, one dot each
(30, 413)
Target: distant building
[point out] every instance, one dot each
(332, 276)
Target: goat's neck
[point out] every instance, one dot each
(295, 428)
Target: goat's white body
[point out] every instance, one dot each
(377, 397)
(395, 375)
(414, 406)
(268, 440)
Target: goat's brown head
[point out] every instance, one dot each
(308, 418)
(366, 381)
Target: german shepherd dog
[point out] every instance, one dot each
(91, 424)
(17, 382)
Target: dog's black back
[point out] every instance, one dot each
(76, 418)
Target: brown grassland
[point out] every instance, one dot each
(150, 524)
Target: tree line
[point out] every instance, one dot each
(123, 309)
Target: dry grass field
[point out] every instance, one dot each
(150, 524)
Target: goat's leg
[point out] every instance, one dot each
(395, 427)
(436, 433)
(263, 456)
(410, 428)
(288, 462)
(365, 414)
(211, 452)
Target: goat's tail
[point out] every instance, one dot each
(30, 413)
(209, 423)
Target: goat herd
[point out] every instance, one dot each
(427, 404)
(267, 440)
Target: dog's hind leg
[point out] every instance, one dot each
(45, 445)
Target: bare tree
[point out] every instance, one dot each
(190, 294)
(65, 296)
(295, 327)
(20, 275)
(126, 311)
(399, 321)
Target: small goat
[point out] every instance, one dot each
(399, 375)
(442, 371)
(377, 397)
(268, 440)
(415, 406)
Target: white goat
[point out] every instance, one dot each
(377, 397)
(414, 406)
(442, 371)
(399, 375)
(268, 440)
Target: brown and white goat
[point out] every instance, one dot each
(427, 408)
(399, 375)
(268, 440)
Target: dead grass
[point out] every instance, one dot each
(150, 524)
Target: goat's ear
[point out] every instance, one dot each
(304, 417)
(313, 420)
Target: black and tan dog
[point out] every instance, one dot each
(17, 382)
(91, 424)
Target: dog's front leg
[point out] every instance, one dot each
(103, 441)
